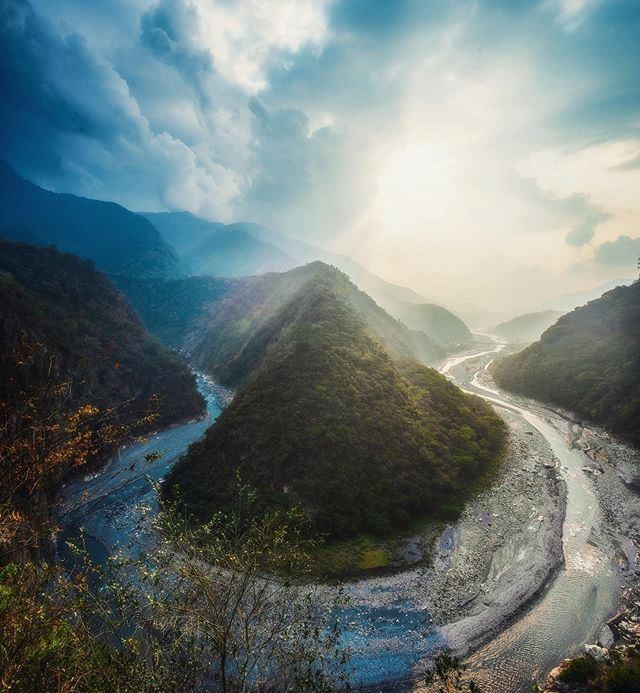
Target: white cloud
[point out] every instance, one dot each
(244, 38)
(598, 172)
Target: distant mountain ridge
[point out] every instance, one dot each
(208, 248)
(116, 239)
(579, 298)
(588, 362)
(219, 249)
(527, 328)
(225, 323)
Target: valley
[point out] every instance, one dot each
(506, 580)
(319, 346)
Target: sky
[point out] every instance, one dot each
(483, 152)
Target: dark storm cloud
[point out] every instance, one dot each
(69, 121)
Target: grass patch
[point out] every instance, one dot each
(373, 558)
(369, 554)
(580, 670)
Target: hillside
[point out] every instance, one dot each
(117, 240)
(244, 249)
(440, 324)
(588, 362)
(568, 302)
(526, 328)
(328, 421)
(90, 335)
(226, 325)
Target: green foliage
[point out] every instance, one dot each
(196, 614)
(329, 422)
(526, 328)
(441, 325)
(447, 676)
(624, 676)
(92, 338)
(588, 362)
(228, 325)
(170, 309)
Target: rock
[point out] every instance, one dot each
(605, 637)
(599, 654)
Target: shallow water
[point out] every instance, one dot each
(582, 595)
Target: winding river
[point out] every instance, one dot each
(386, 625)
(582, 595)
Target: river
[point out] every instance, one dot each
(582, 595)
(386, 624)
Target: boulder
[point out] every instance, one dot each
(599, 654)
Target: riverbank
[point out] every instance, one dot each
(497, 575)
(505, 548)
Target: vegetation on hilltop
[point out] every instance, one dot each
(527, 328)
(437, 322)
(588, 362)
(79, 373)
(226, 325)
(59, 305)
(244, 249)
(328, 421)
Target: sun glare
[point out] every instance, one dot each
(415, 186)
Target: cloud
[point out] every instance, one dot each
(70, 121)
(418, 136)
(244, 39)
(304, 182)
(590, 218)
(168, 30)
(624, 251)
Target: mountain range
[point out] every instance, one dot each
(225, 324)
(245, 248)
(116, 239)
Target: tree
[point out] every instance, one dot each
(447, 676)
(230, 596)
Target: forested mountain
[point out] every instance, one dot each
(589, 362)
(117, 240)
(437, 322)
(227, 325)
(325, 418)
(526, 328)
(245, 248)
(59, 306)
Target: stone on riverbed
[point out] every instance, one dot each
(599, 654)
